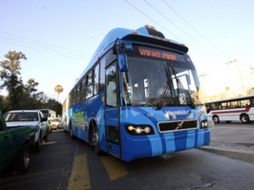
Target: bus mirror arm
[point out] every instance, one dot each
(120, 49)
(123, 63)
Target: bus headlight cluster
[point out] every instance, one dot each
(139, 129)
(204, 124)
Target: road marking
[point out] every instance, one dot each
(113, 167)
(79, 178)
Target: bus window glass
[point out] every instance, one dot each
(252, 102)
(89, 89)
(83, 84)
(96, 79)
(102, 74)
(111, 96)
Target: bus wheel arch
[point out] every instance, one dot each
(216, 119)
(244, 118)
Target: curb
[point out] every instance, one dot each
(239, 155)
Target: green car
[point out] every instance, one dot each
(15, 146)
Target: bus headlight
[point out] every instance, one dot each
(139, 129)
(204, 124)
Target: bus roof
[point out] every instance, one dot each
(143, 33)
(231, 99)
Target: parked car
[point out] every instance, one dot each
(15, 146)
(32, 118)
(53, 124)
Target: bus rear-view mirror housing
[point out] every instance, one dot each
(121, 47)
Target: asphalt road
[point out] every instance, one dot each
(64, 163)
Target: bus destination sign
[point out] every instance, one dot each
(147, 52)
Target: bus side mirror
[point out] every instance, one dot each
(123, 62)
(121, 48)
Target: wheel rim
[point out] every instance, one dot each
(244, 119)
(26, 159)
(95, 138)
(215, 119)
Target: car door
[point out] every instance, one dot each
(43, 125)
(6, 146)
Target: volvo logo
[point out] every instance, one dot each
(173, 114)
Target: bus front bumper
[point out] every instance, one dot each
(154, 145)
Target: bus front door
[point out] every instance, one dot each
(112, 112)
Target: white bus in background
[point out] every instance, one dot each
(234, 109)
(65, 114)
(48, 113)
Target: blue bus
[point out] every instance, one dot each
(138, 97)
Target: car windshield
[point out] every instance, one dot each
(160, 82)
(22, 116)
(45, 113)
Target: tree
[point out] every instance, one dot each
(3, 104)
(58, 89)
(10, 75)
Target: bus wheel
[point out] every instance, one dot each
(216, 119)
(244, 118)
(95, 139)
(70, 131)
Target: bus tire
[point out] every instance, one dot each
(95, 138)
(70, 131)
(244, 118)
(216, 119)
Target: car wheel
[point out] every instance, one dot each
(244, 118)
(23, 159)
(38, 145)
(216, 119)
(45, 138)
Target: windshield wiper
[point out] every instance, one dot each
(179, 84)
(169, 86)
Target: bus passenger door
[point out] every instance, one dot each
(112, 111)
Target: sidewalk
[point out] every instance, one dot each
(233, 140)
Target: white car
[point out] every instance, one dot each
(53, 124)
(33, 118)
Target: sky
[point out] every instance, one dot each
(59, 37)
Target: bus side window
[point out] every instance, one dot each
(89, 88)
(78, 93)
(96, 79)
(83, 83)
(111, 91)
(252, 102)
(102, 73)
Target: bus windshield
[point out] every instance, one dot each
(160, 82)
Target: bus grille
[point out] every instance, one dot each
(177, 125)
